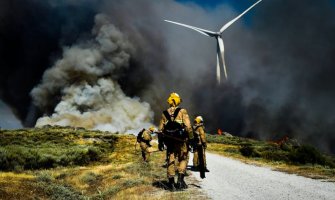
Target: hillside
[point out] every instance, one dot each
(286, 155)
(68, 163)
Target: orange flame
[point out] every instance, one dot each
(220, 132)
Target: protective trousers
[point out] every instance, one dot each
(196, 158)
(177, 158)
(145, 152)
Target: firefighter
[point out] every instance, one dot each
(200, 139)
(144, 138)
(176, 129)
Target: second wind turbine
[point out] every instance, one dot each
(220, 62)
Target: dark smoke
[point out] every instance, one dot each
(292, 86)
(32, 34)
(280, 60)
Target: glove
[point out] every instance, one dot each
(161, 146)
(190, 148)
(190, 144)
(204, 145)
(147, 142)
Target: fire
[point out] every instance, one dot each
(220, 132)
(281, 141)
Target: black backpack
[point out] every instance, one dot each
(139, 136)
(173, 128)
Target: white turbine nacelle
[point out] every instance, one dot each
(220, 62)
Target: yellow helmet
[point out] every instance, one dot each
(198, 120)
(152, 129)
(174, 99)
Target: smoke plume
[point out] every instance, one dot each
(85, 79)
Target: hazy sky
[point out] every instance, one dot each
(7, 118)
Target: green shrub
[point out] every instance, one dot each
(249, 151)
(51, 147)
(307, 154)
(117, 176)
(329, 161)
(275, 155)
(232, 150)
(89, 177)
(287, 147)
(132, 183)
(44, 176)
(59, 192)
(223, 139)
(46, 161)
(107, 193)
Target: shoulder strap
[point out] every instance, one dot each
(141, 132)
(195, 129)
(140, 135)
(176, 112)
(167, 115)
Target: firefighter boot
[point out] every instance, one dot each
(171, 184)
(181, 183)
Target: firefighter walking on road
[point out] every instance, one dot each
(176, 131)
(199, 139)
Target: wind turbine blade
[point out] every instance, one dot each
(218, 72)
(220, 53)
(200, 30)
(224, 27)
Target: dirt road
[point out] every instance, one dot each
(232, 180)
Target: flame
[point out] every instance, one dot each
(220, 131)
(280, 141)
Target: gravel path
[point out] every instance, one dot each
(232, 180)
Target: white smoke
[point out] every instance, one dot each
(103, 106)
(85, 77)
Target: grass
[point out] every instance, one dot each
(114, 170)
(52, 147)
(118, 173)
(289, 157)
(68, 163)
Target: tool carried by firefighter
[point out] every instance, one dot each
(202, 167)
(198, 148)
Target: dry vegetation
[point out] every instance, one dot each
(299, 159)
(67, 163)
(119, 173)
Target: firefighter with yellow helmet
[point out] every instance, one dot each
(176, 131)
(200, 139)
(144, 138)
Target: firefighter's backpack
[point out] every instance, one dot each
(173, 128)
(139, 136)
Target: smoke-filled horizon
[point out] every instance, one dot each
(280, 63)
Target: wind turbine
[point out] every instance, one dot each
(220, 62)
